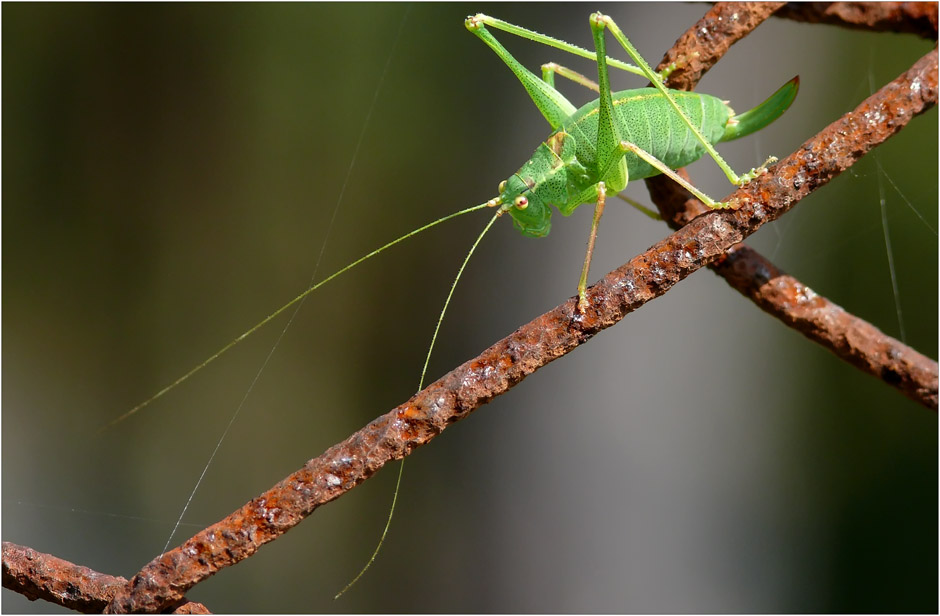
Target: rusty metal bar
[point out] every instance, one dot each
(918, 18)
(702, 45)
(796, 305)
(43, 576)
(853, 339)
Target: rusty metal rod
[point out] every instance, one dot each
(43, 576)
(918, 18)
(754, 276)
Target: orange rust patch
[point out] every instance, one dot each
(408, 431)
(478, 365)
(409, 412)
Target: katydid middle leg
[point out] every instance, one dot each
(550, 69)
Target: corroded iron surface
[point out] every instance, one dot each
(915, 17)
(42, 576)
(702, 45)
(853, 339)
(755, 277)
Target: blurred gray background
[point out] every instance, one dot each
(169, 174)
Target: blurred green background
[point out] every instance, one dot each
(169, 175)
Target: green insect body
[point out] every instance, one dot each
(622, 136)
(563, 170)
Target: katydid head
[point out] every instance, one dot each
(529, 214)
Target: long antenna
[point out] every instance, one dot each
(280, 310)
(427, 359)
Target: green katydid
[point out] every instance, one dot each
(621, 136)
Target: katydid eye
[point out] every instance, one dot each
(501, 187)
(521, 202)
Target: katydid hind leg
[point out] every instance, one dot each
(611, 164)
(543, 39)
(609, 155)
(550, 102)
(734, 178)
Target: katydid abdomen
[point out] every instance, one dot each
(646, 119)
